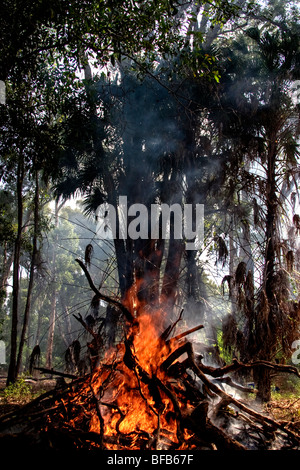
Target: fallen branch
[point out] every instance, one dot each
(228, 380)
(100, 417)
(236, 365)
(259, 417)
(55, 372)
(202, 425)
(190, 362)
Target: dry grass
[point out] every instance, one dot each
(286, 409)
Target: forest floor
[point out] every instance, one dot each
(285, 402)
(285, 409)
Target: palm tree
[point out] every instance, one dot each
(259, 125)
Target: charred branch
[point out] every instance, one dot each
(127, 314)
(170, 328)
(237, 366)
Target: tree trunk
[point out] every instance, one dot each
(171, 274)
(40, 298)
(31, 274)
(262, 379)
(52, 317)
(12, 369)
(7, 264)
(268, 341)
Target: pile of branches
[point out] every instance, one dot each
(206, 416)
(206, 413)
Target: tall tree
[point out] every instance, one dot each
(260, 124)
(31, 273)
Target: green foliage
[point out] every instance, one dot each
(73, 28)
(286, 387)
(18, 392)
(225, 354)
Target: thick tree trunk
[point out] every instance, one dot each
(148, 259)
(262, 379)
(267, 342)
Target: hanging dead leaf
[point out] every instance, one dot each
(89, 250)
(290, 261)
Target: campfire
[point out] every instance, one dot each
(152, 392)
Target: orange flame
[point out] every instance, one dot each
(127, 406)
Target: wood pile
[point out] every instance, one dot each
(184, 404)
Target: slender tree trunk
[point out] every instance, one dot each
(12, 369)
(7, 264)
(31, 274)
(39, 324)
(62, 333)
(52, 317)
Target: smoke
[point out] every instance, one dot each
(143, 122)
